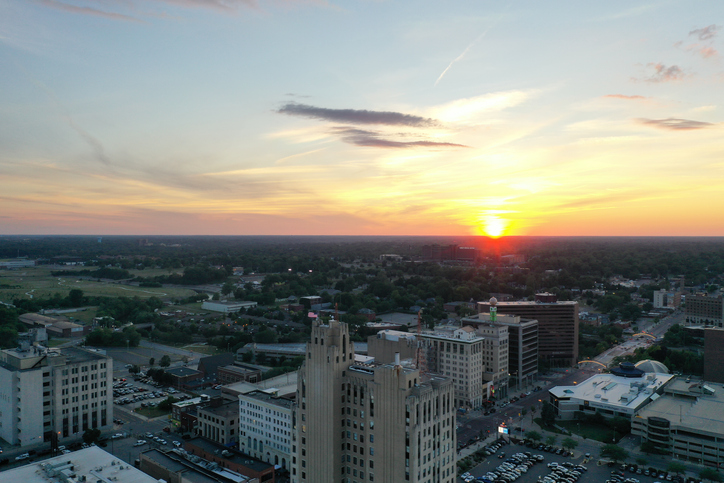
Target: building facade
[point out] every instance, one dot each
(522, 347)
(666, 299)
(392, 422)
(266, 427)
(714, 354)
(557, 326)
(705, 309)
(686, 422)
(44, 391)
(457, 352)
(219, 422)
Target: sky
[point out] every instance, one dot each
(362, 117)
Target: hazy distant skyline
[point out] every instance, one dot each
(246, 117)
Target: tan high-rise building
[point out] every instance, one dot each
(557, 326)
(367, 421)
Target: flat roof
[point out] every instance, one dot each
(182, 371)
(282, 385)
(194, 470)
(94, 463)
(236, 456)
(224, 411)
(268, 398)
(395, 335)
(701, 416)
(614, 391)
(299, 348)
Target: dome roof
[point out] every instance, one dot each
(652, 366)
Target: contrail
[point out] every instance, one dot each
(460, 57)
(93, 142)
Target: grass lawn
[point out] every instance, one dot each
(152, 412)
(598, 432)
(38, 282)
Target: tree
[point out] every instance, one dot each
(152, 361)
(166, 404)
(165, 361)
(613, 452)
(227, 288)
(569, 444)
(710, 474)
(91, 435)
(75, 297)
(676, 467)
(134, 369)
(534, 435)
(551, 439)
(641, 461)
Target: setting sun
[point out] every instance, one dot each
(494, 227)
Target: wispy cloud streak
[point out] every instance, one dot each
(675, 124)
(467, 49)
(625, 97)
(88, 11)
(356, 116)
(361, 137)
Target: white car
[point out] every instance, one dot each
(23, 456)
(177, 444)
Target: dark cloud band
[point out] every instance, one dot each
(356, 116)
(360, 137)
(674, 124)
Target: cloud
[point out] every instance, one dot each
(708, 52)
(355, 116)
(705, 33)
(662, 73)
(88, 11)
(155, 8)
(470, 109)
(674, 124)
(625, 97)
(360, 137)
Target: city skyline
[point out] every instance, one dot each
(238, 117)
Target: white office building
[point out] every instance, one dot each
(265, 427)
(43, 391)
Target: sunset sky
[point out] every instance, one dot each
(368, 117)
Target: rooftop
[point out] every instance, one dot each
(92, 463)
(182, 371)
(614, 390)
(703, 414)
(224, 411)
(193, 468)
(268, 398)
(236, 456)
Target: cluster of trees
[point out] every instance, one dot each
(112, 273)
(594, 340)
(667, 352)
(9, 326)
(103, 337)
(129, 309)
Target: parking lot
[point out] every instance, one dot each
(534, 465)
(142, 393)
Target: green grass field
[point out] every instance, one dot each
(39, 283)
